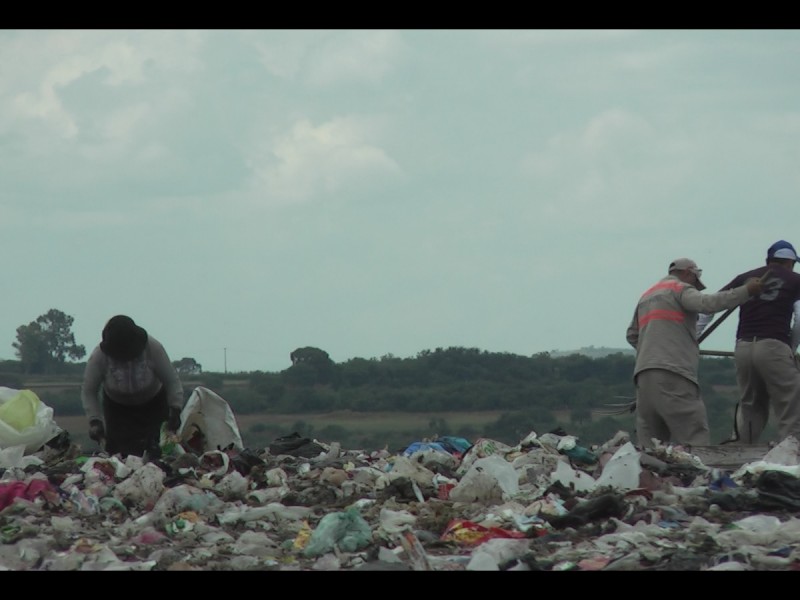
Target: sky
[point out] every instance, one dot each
(372, 192)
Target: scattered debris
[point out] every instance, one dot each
(446, 504)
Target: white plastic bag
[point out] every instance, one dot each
(622, 470)
(491, 478)
(208, 417)
(25, 420)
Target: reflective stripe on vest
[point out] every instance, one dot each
(661, 314)
(675, 286)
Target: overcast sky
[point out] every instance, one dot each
(243, 193)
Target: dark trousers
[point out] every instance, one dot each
(134, 429)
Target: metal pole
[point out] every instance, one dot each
(715, 353)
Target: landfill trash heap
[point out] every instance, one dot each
(441, 504)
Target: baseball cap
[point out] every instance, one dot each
(782, 249)
(687, 264)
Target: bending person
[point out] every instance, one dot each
(130, 387)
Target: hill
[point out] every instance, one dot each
(593, 352)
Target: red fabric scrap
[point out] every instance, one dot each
(473, 534)
(19, 489)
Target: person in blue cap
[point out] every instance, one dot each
(767, 368)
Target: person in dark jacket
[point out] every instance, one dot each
(767, 336)
(130, 388)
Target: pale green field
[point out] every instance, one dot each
(259, 429)
(367, 422)
(373, 422)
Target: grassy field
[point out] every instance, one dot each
(259, 429)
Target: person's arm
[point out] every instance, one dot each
(90, 388)
(795, 338)
(632, 334)
(693, 300)
(166, 372)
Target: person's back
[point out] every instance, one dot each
(769, 315)
(767, 335)
(663, 331)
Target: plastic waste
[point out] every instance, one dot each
(568, 445)
(85, 504)
(301, 540)
(481, 449)
(454, 445)
(232, 486)
(143, 488)
(347, 530)
(489, 478)
(396, 521)
(469, 533)
(622, 470)
(571, 478)
(186, 497)
(183, 523)
(25, 420)
(273, 511)
(169, 442)
(414, 550)
(490, 555)
(208, 423)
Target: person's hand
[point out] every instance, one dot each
(97, 430)
(754, 286)
(174, 419)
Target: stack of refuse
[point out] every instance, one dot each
(548, 503)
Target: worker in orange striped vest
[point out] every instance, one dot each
(664, 333)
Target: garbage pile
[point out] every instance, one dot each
(547, 503)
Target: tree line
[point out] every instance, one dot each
(534, 393)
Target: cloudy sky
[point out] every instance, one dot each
(243, 193)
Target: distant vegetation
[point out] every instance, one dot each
(530, 393)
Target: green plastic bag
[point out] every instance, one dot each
(348, 530)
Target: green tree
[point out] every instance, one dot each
(311, 366)
(187, 366)
(44, 345)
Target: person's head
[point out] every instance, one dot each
(123, 339)
(782, 253)
(687, 270)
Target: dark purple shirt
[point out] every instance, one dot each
(768, 315)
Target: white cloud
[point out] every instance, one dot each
(334, 156)
(45, 63)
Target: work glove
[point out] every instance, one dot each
(754, 286)
(174, 419)
(97, 430)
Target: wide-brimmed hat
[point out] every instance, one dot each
(123, 339)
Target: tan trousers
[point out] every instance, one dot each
(769, 379)
(669, 409)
